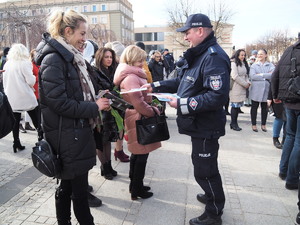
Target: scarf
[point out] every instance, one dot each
(88, 90)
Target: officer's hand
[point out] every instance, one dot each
(148, 86)
(172, 102)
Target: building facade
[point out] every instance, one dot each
(22, 20)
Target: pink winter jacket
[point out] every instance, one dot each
(129, 77)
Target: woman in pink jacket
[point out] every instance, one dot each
(130, 75)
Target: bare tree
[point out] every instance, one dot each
(100, 34)
(218, 11)
(22, 26)
(275, 42)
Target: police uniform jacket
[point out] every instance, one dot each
(203, 89)
(61, 95)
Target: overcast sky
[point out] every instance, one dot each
(252, 19)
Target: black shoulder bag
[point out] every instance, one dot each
(152, 129)
(44, 159)
(7, 119)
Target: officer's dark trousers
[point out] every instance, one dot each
(206, 172)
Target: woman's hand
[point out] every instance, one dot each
(148, 86)
(103, 104)
(269, 102)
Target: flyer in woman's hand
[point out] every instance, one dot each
(133, 90)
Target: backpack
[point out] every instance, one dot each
(7, 119)
(289, 77)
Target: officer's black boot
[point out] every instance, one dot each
(63, 207)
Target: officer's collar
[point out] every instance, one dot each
(200, 49)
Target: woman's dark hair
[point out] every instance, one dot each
(238, 62)
(99, 56)
(262, 49)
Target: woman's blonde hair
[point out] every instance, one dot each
(59, 20)
(132, 54)
(18, 52)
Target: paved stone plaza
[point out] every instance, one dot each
(248, 163)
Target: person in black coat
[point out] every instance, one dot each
(67, 92)
(105, 66)
(158, 66)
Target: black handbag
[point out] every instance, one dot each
(152, 129)
(44, 159)
(7, 119)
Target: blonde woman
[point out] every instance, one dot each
(130, 75)
(18, 82)
(67, 92)
(260, 76)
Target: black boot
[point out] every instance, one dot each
(28, 127)
(112, 171)
(131, 170)
(17, 146)
(21, 128)
(63, 207)
(93, 200)
(106, 171)
(137, 189)
(277, 143)
(234, 115)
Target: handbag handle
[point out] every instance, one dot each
(155, 113)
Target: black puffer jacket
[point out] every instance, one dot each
(61, 95)
(109, 129)
(157, 69)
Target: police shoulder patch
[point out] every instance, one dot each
(215, 82)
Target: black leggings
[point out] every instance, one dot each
(264, 112)
(34, 115)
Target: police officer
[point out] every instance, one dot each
(203, 90)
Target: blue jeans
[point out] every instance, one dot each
(277, 125)
(290, 157)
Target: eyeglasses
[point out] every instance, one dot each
(157, 56)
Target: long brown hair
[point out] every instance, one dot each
(99, 56)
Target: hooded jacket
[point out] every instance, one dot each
(130, 77)
(61, 95)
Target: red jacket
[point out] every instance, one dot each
(35, 71)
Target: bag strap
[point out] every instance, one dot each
(293, 64)
(59, 136)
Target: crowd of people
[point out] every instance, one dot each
(63, 86)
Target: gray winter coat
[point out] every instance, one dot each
(260, 76)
